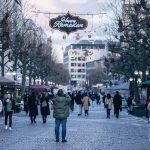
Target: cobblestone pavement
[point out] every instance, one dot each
(94, 132)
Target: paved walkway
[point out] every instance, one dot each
(84, 133)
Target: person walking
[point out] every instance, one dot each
(117, 101)
(73, 97)
(44, 105)
(108, 102)
(9, 107)
(61, 104)
(33, 108)
(86, 104)
(79, 103)
(98, 98)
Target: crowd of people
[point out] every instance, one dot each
(62, 104)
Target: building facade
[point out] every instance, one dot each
(78, 57)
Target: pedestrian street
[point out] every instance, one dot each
(93, 132)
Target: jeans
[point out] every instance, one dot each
(57, 126)
(8, 115)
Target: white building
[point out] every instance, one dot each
(77, 56)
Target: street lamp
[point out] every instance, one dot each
(147, 73)
(136, 72)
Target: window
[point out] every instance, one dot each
(72, 70)
(73, 64)
(73, 76)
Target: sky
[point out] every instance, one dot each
(96, 24)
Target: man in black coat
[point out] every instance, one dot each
(117, 101)
(78, 100)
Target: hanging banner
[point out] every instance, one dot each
(68, 23)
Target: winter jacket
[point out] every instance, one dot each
(61, 105)
(33, 108)
(108, 102)
(78, 99)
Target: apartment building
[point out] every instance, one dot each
(78, 56)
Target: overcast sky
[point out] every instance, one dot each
(96, 27)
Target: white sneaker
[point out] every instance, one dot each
(6, 127)
(10, 128)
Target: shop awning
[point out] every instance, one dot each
(146, 84)
(5, 81)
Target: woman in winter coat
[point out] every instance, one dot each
(33, 107)
(86, 103)
(108, 103)
(44, 105)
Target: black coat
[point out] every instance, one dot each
(44, 110)
(33, 106)
(78, 99)
(117, 100)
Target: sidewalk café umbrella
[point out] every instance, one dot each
(5, 81)
(146, 84)
(39, 88)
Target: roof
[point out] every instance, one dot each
(5, 81)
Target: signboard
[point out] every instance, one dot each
(68, 23)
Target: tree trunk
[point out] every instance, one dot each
(24, 70)
(2, 63)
